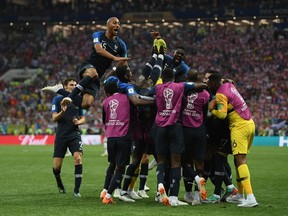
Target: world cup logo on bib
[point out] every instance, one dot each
(168, 95)
(190, 99)
(113, 105)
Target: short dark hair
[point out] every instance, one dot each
(215, 77)
(68, 79)
(180, 47)
(168, 74)
(121, 73)
(212, 71)
(110, 88)
(192, 75)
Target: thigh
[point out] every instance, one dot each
(241, 139)
(60, 147)
(199, 144)
(123, 152)
(75, 145)
(149, 145)
(162, 140)
(177, 145)
(112, 150)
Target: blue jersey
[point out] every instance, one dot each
(116, 47)
(65, 125)
(180, 69)
(124, 88)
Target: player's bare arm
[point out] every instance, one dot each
(56, 116)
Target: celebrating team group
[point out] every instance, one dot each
(189, 125)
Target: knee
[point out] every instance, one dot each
(77, 158)
(120, 169)
(86, 104)
(91, 72)
(145, 159)
(239, 160)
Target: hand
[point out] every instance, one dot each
(63, 107)
(75, 121)
(212, 105)
(155, 34)
(228, 81)
(120, 63)
(117, 58)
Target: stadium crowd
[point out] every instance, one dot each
(252, 56)
(81, 7)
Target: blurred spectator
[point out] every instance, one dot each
(249, 55)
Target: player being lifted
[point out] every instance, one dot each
(107, 47)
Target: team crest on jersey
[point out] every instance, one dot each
(130, 91)
(96, 40)
(190, 99)
(168, 95)
(115, 47)
(113, 105)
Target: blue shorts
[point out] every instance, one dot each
(169, 139)
(119, 151)
(195, 143)
(92, 88)
(73, 143)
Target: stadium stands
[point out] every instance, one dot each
(255, 57)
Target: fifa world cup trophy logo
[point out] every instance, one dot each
(168, 95)
(113, 104)
(191, 98)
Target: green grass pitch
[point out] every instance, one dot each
(28, 187)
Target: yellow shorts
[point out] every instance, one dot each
(242, 138)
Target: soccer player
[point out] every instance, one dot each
(169, 141)
(194, 114)
(217, 167)
(229, 103)
(67, 136)
(116, 118)
(107, 47)
(175, 62)
(122, 77)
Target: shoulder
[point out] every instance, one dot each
(184, 65)
(97, 35)
(57, 98)
(120, 40)
(168, 57)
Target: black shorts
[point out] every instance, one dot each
(169, 139)
(195, 143)
(119, 151)
(145, 144)
(74, 143)
(219, 135)
(92, 88)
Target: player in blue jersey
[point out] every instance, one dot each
(107, 47)
(175, 62)
(67, 136)
(122, 77)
